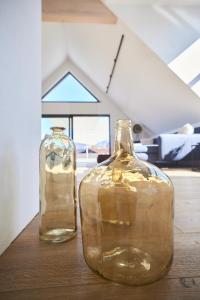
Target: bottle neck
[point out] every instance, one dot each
(124, 138)
(57, 130)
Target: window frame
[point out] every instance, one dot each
(70, 116)
(59, 101)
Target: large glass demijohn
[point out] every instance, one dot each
(57, 187)
(127, 215)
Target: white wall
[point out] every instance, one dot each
(166, 29)
(142, 87)
(20, 77)
(145, 88)
(54, 47)
(105, 106)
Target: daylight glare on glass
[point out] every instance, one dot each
(187, 66)
(69, 89)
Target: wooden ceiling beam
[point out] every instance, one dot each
(78, 11)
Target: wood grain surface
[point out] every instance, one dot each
(30, 269)
(79, 11)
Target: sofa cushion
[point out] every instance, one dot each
(142, 156)
(140, 148)
(177, 146)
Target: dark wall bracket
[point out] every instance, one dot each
(115, 62)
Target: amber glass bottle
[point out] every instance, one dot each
(127, 216)
(57, 187)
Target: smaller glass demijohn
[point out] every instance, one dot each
(127, 215)
(57, 187)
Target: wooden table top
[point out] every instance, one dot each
(30, 269)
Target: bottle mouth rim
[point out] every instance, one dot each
(125, 122)
(57, 128)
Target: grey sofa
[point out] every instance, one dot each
(178, 149)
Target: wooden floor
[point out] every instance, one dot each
(30, 269)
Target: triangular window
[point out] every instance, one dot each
(69, 89)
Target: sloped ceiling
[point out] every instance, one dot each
(142, 86)
(166, 27)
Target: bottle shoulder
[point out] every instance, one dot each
(124, 170)
(61, 141)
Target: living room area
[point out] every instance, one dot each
(105, 72)
(90, 68)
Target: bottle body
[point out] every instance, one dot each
(127, 218)
(57, 188)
